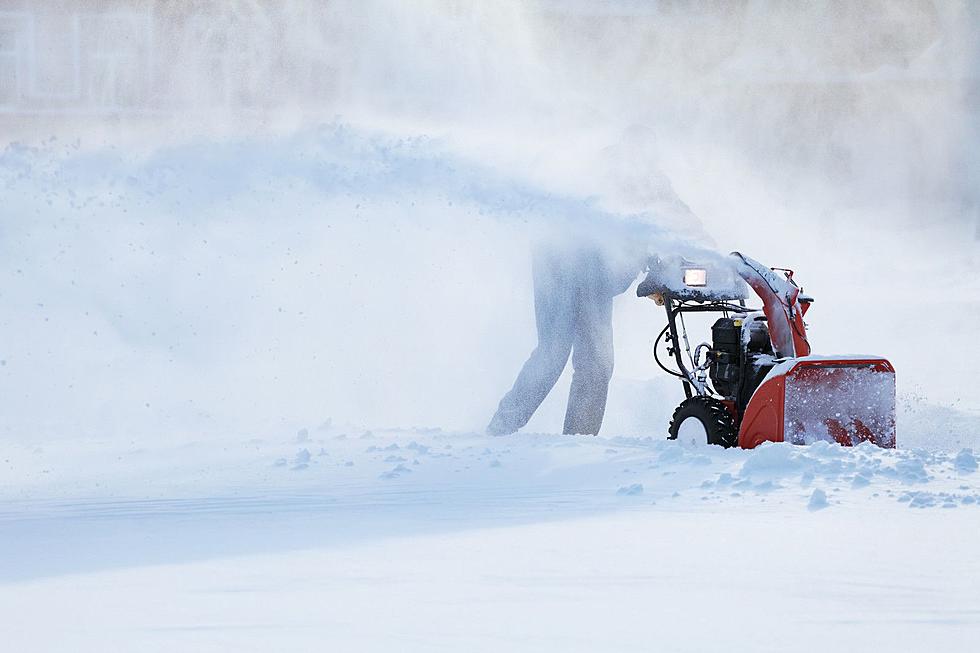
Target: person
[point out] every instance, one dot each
(577, 277)
(574, 287)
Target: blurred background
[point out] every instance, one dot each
(255, 215)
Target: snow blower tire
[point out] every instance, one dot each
(713, 415)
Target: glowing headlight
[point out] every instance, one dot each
(695, 277)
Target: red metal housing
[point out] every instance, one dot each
(848, 400)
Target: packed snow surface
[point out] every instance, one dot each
(423, 539)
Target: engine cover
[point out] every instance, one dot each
(726, 364)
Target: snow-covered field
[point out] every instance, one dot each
(163, 345)
(232, 287)
(421, 539)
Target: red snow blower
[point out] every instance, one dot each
(756, 380)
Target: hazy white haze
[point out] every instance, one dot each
(242, 216)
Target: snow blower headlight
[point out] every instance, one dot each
(695, 277)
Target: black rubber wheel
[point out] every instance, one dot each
(713, 415)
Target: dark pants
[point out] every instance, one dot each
(573, 310)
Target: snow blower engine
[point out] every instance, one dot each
(756, 380)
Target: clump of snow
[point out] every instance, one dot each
(398, 471)
(773, 458)
(818, 500)
(420, 449)
(301, 460)
(912, 470)
(632, 490)
(966, 462)
(860, 480)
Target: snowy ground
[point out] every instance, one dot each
(188, 278)
(247, 310)
(338, 539)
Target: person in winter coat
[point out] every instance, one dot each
(574, 286)
(576, 278)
